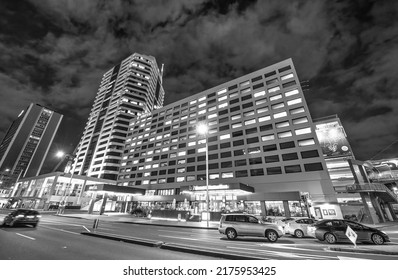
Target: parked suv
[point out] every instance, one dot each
(22, 217)
(234, 225)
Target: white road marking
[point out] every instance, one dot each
(178, 237)
(348, 258)
(86, 229)
(26, 236)
(67, 231)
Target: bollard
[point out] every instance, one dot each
(96, 222)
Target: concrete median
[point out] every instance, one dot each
(133, 240)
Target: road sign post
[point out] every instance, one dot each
(352, 235)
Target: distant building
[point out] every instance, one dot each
(26, 144)
(264, 156)
(128, 89)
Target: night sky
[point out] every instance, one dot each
(54, 53)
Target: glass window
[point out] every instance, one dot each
(294, 101)
(252, 140)
(240, 162)
(238, 143)
(297, 111)
(262, 110)
(288, 76)
(274, 89)
(241, 173)
(302, 131)
(313, 166)
(306, 142)
(269, 148)
(310, 154)
(227, 175)
(268, 137)
(226, 164)
(249, 122)
(269, 159)
(265, 118)
(300, 120)
(261, 101)
(259, 94)
(253, 150)
(274, 170)
(275, 97)
(222, 91)
(285, 134)
(236, 125)
(235, 117)
(291, 92)
(280, 115)
(253, 161)
(287, 145)
(213, 176)
(290, 156)
(257, 172)
(226, 154)
(225, 136)
(282, 124)
(278, 106)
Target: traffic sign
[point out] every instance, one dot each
(352, 235)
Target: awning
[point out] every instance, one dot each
(114, 188)
(217, 188)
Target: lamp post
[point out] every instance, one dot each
(203, 129)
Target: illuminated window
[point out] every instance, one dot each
(245, 83)
(225, 136)
(180, 179)
(236, 125)
(221, 91)
(227, 175)
(252, 121)
(291, 92)
(288, 76)
(294, 101)
(300, 120)
(285, 134)
(223, 105)
(268, 137)
(212, 116)
(303, 131)
(202, 150)
(258, 94)
(280, 115)
(297, 110)
(202, 105)
(262, 110)
(193, 102)
(202, 112)
(214, 176)
(261, 101)
(306, 142)
(235, 117)
(275, 97)
(282, 124)
(263, 119)
(278, 106)
(222, 98)
(274, 89)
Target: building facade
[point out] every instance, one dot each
(263, 153)
(363, 194)
(132, 87)
(26, 143)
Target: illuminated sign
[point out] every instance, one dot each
(203, 188)
(332, 139)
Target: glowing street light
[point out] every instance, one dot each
(203, 129)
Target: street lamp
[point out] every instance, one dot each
(70, 157)
(203, 129)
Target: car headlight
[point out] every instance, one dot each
(383, 232)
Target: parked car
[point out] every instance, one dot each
(333, 231)
(22, 217)
(234, 225)
(299, 227)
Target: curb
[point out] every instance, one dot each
(166, 225)
(378, 252)
(145, 242)
(172, 246)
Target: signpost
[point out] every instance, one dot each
(351, 235)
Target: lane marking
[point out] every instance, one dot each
(67, 231)
(86, 229)
(31, 238)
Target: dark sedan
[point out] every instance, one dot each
(22, 217)
(333, 231)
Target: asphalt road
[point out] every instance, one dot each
(59, 238)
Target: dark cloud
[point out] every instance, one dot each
(55, 52)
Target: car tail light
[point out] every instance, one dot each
(20, 216)
(38, 216)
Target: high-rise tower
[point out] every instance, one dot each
(27, 141)
(128, 89)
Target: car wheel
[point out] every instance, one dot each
(330, 238)
(231, 233)
(299, 233)
(271, 235)
(377, 239)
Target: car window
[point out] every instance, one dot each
(299, 221)
(337, 223)
(230, 218)
(240, 219)
(354, 226)
(251, 219)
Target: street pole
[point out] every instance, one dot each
(207, 183)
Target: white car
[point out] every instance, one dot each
(299, 227)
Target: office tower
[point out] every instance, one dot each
(261, 143)
(132, 87)
(27, 141)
